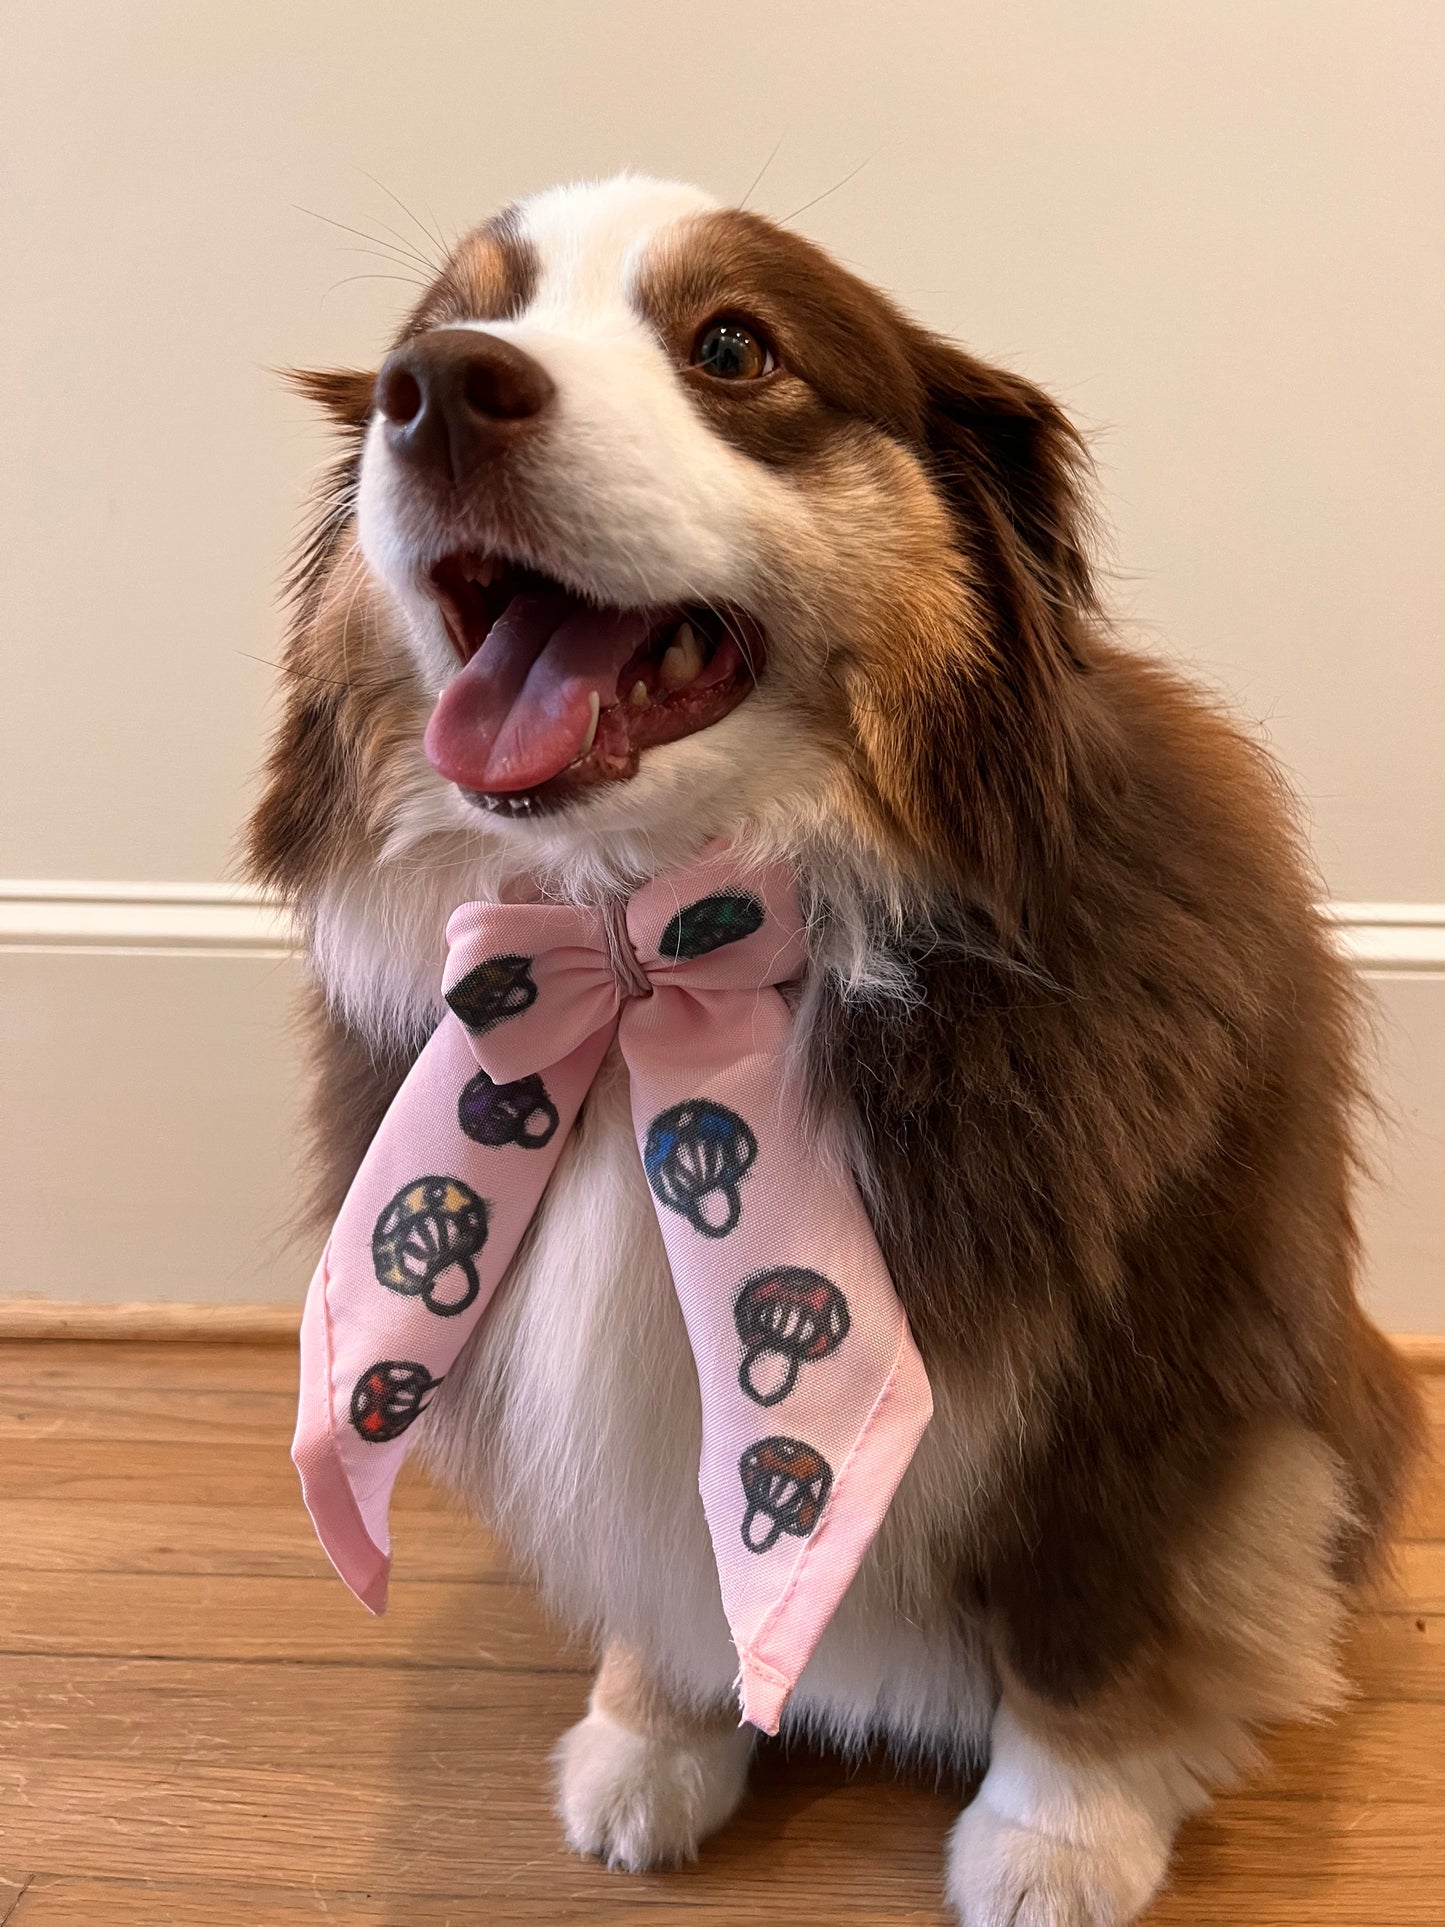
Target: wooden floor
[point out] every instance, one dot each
(199, 1725)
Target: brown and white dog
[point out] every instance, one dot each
(1069, 1008)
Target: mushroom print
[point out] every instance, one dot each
(499, 988)
(708, 924)
(425, 1241)
(388, 1397)
(696, 1155)
(518, 1113)
(786, 1318)
(786, 1484)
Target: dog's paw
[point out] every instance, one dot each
(1004, 1875)
(638, 1803)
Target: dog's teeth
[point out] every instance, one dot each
(683, 659)
(594, 703)
(639, 697)
(485, 573)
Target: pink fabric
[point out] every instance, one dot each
(813, 1393)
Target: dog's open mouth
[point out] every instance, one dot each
(555, 694)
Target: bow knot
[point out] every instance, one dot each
(531, 982)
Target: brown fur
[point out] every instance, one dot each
(489, 275)
(1252, 1612)
(627, 1690)
(1143, 1094)
(1110, 1135)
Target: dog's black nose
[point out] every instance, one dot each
(453, 397)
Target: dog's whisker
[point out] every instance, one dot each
(851, 175)
(346, 281)
(416, 260)
(432, 235)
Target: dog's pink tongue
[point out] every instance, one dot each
(520, 710)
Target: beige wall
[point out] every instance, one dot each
(1212, 228)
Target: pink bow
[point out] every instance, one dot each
(813, 1393)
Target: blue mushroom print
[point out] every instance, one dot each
(697, 1153)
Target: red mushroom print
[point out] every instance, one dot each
(786, 1317)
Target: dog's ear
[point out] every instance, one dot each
(1012, 465)
(345, 394)
(987, 747)
(309, 799)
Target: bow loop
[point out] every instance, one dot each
(530, 982)
(712, 928)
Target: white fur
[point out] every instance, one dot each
(1055, 1842)
(637, 1802)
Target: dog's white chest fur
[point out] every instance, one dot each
(572, 1422)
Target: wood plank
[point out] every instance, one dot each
(46, 1318)
(289, 1757)
(481, 1619)
(12, 1887)
(147, 1771)
(424, 1783)
(275, 1541)
(228, 1367)
(147, 1414)
(1396, 1656)
(1425, 1514)
(61, 1706)
(1419, 1577)
(1218, 1875)
(239, 1473)
(1264, 1863)
(493, 1623)
(570, 1897)
(58, 1408)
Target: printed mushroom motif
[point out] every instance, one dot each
(425, 1241)
(708, 924)
(388, 1397)
(492, 991)
(786, 1484)
(521, 1112)
(786, 1318)
(696, 1155)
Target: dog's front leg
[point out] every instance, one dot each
(645, 1778)
(1054, 1839)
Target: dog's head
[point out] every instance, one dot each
(656, 525)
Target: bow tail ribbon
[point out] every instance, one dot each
(439, 1223)
(814, 1396)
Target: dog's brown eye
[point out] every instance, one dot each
(730, 352)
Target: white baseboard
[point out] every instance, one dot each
(1392, 939)
(142, 919)
(229, 920)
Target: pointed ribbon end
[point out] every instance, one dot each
(359, 1561)
(763, 1693)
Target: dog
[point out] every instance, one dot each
(1069, 1012)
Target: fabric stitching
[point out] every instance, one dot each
(805, 1556)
